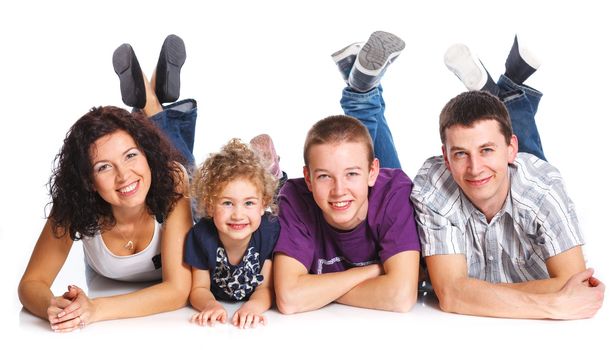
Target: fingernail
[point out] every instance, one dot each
(61, 314)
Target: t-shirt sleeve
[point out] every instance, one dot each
(269, 231)
(195, 252)
(296, 239)
(557, 224)
(398, 228)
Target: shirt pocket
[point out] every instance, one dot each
(476, 268)
(528, 268)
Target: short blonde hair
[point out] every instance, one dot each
(234, 161)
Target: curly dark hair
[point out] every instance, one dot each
(77, 208)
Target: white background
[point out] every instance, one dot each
(264, 66)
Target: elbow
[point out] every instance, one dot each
(403, 299)
(178, 303)
(446, 299)
(180, 298)
(21, 292)
(285, 302)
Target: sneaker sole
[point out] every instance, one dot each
(460, 60)
(171, 59)
(132, 85)
(380, 49)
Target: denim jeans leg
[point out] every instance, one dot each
(522, 104)
(178, 121)
(369, 108)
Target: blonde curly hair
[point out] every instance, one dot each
(234, 161)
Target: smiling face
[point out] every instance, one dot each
(237, 211)
(478, 158)
(339, 176)
(120, 172)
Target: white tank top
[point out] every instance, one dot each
(139, 267)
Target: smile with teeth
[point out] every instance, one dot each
(128, 189)
(340, 205)
(238, 226)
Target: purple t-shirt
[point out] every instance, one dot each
(390, 227)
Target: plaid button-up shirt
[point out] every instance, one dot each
(537, 221)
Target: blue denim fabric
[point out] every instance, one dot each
(368, 107)
(178, 121)
(522, 103)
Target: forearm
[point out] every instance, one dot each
(311, 292)
(202, 298)
(260, 301)
(161, 297)
(35, 296)
(475, 297)
(550, 285)
(382, 293)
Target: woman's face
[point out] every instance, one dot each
(120, 172)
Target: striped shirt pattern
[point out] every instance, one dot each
(537, 221)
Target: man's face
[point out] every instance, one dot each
(339, 177)
(478, 158)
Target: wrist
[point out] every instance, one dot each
(547, 305)
(212, 304)
(95, 308)
(375, 270)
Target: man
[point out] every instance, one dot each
(499, 234)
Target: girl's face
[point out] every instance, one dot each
(120, 172)
(237, 211)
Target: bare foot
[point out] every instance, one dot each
(152, 105)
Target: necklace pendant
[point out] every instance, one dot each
(129, 245)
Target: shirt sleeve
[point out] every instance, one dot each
(269, 231)
(195, 252)
(435, 198)
(296, 239)
(557, 224)
(438, 235)
(398, 230)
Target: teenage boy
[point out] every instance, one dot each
(348, 233)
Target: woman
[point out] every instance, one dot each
(119, 187)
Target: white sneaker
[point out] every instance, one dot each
(460, 60)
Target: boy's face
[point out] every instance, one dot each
(478, 159)
(339, 177)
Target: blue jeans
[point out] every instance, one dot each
(368, 107)
(522, 104)
(521, 101)
(177, 121)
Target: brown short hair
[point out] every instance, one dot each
(336, 129)
(472, 106)
(234, 161)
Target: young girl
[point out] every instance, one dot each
(230, 248)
